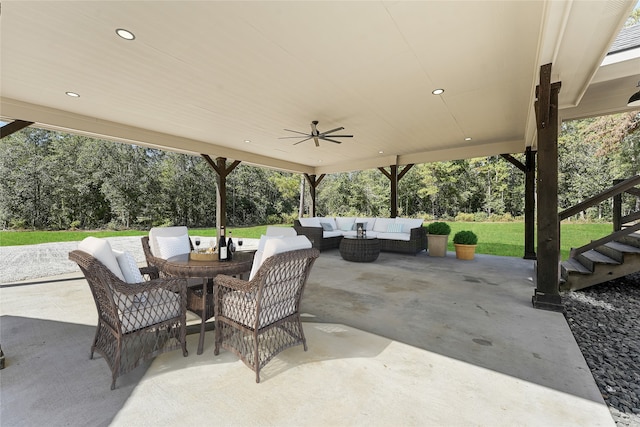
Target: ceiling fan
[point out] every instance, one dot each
(317, 135)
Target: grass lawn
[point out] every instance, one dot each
(494, 238)
(507, 238)
(17, 238)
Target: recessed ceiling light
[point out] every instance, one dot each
(380, 152)
(247, 141)
(73, 94)
(438, 91)
(125, 34)
(467, 139)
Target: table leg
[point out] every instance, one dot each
(204, 315)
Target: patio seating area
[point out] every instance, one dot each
(404, 340)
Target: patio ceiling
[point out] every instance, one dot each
(226, 78)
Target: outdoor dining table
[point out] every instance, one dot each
(185, 267)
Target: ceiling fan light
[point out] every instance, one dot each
(125, 34)
(438, 91)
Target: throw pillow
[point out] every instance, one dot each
(100, 249)
(129, 267)
(172, 246)
(394, 228)
(326, 226)
(381, 224)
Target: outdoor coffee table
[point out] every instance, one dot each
(183, 266)
(359, 249)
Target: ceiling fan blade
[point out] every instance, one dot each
(341, 136)
(332, 140)
(332, 130)
(306, 139)
(289, 137)
(315, 138)
(295, 131)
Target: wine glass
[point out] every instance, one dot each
(197, 240)
(240, 242)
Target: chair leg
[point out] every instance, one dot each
(216, 348)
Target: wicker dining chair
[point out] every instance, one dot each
(136, 321)
(259, 318)
(195, 292)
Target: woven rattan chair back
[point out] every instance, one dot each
(136, 322)
(258, 319)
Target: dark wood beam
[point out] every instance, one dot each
(313, 184)
(515, 162)
(13, 127)
(222, 170)
(529, 199)
(394, 177)
(547, 293)
(530, 204)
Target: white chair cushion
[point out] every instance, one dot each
(310, 222)
(345, 223)
(160, 305)
(409, 223)
(172, 246)
(326, 234)
(128, 266)
(393, 236)
(273, 246)
(381, 224)
(281, 231)
(165, 232)
(100, 249)
(257, 258)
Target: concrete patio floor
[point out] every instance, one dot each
(402, 341)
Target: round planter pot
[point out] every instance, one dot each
(465, 251)
(438, 244)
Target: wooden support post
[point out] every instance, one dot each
(221, 169)
(547, 293)
(530, 204)
(617, 208)
(529, 199)
(313, 184)
(394, 177)
(13, 127)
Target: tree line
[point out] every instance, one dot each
(52, 180)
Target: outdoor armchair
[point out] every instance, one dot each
(194, 286)
(136, 321)
(259, 318)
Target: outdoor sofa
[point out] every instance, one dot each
(405, 235)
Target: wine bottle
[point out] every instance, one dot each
(230, 247)
(223, 253)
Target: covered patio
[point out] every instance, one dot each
(403, 341)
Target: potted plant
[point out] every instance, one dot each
(465, 242)
(438, 238)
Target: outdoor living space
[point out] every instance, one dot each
(405, 340)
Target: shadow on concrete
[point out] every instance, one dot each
(48, 372)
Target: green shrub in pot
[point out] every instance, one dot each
(465, 237)
(440, 228)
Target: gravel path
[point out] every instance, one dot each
(605, 321)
